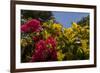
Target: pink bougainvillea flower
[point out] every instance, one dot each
(24, 28)
(39, 51)
(40, 45)
(32, 25)
(53, 54)
(43, 53)
(51, 41)
(35, 38)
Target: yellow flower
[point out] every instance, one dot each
(68, 30)
(24, 43)
(46, 34)
(29, 40)
(84, 45)
(69, 34)
(76, 27)
(57, 27)
(45, 24)
(60, 55)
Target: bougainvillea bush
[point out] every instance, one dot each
(48, 40)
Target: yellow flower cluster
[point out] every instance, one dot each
(60, 55)
(46, 34)
(69, 34)
(57, 27)
(25, 42)
(76, 27)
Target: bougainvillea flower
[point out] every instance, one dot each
(24, 28)
(32, 25)
(35, 38)
(43, 53)
(40, 48)
(40, 45)
(51, 41)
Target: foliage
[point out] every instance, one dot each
(84, 21)
(44, 15)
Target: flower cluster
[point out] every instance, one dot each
(45, 51)
(50, 41)
(31, 26)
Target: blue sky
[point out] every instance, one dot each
(66, 18)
